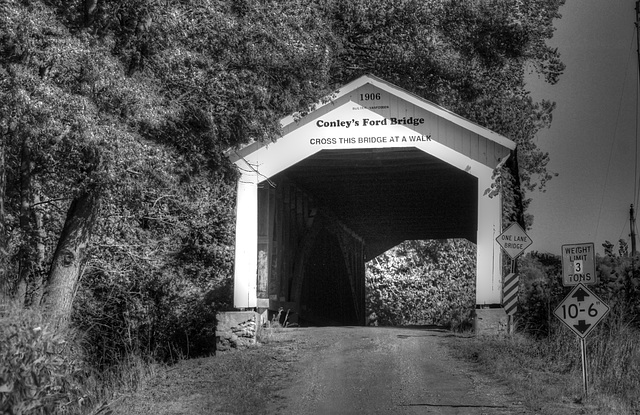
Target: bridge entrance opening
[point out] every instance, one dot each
(338, 200)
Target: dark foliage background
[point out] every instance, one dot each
(423, 282)
(541, 289)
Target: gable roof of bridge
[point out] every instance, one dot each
(370, 95)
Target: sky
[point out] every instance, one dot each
(592, 139)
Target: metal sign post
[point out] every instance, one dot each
(583, 348)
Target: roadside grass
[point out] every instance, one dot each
(45, 370)
(233, 382)
(547, 373)
(273, 330)
(270, 334)
(614, 357)
(131, 374)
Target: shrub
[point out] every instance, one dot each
(540, 291)
(161, 265)
(42, 371)
(160, 317)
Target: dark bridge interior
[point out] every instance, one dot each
(390, 195)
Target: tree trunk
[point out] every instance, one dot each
(38, 235)
(25, 224)
(70, 256)
(4, 250)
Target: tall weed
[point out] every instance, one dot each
(42, 369)
(613, 354)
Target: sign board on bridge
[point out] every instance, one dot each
(514, 240)
(578, 264)
(581, 310)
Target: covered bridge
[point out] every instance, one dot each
(374, 166)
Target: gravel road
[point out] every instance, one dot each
(326, 371)
(376, 370)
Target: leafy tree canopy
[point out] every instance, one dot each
(136, 102)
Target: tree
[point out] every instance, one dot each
(623, 249)
(608, 248)
(55, 125)
(69, 257)
(4, 253)
(198, 78)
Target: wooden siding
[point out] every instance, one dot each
(446, 132)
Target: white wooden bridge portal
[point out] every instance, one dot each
(373, 167)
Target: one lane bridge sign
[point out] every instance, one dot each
(581, 310)
(514, 240)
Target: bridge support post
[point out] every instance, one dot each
(489, 265)
(246, 249)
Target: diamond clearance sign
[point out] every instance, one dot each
(581, 310)
(514, 240)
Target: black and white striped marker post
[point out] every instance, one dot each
(510, 293)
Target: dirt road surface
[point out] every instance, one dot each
(375, 370)
(326, 371)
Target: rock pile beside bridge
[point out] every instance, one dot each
(236, 329)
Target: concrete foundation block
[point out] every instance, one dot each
(490, 321)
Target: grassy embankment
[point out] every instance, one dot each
(44, 370)
(547, 373)
(234, 382)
